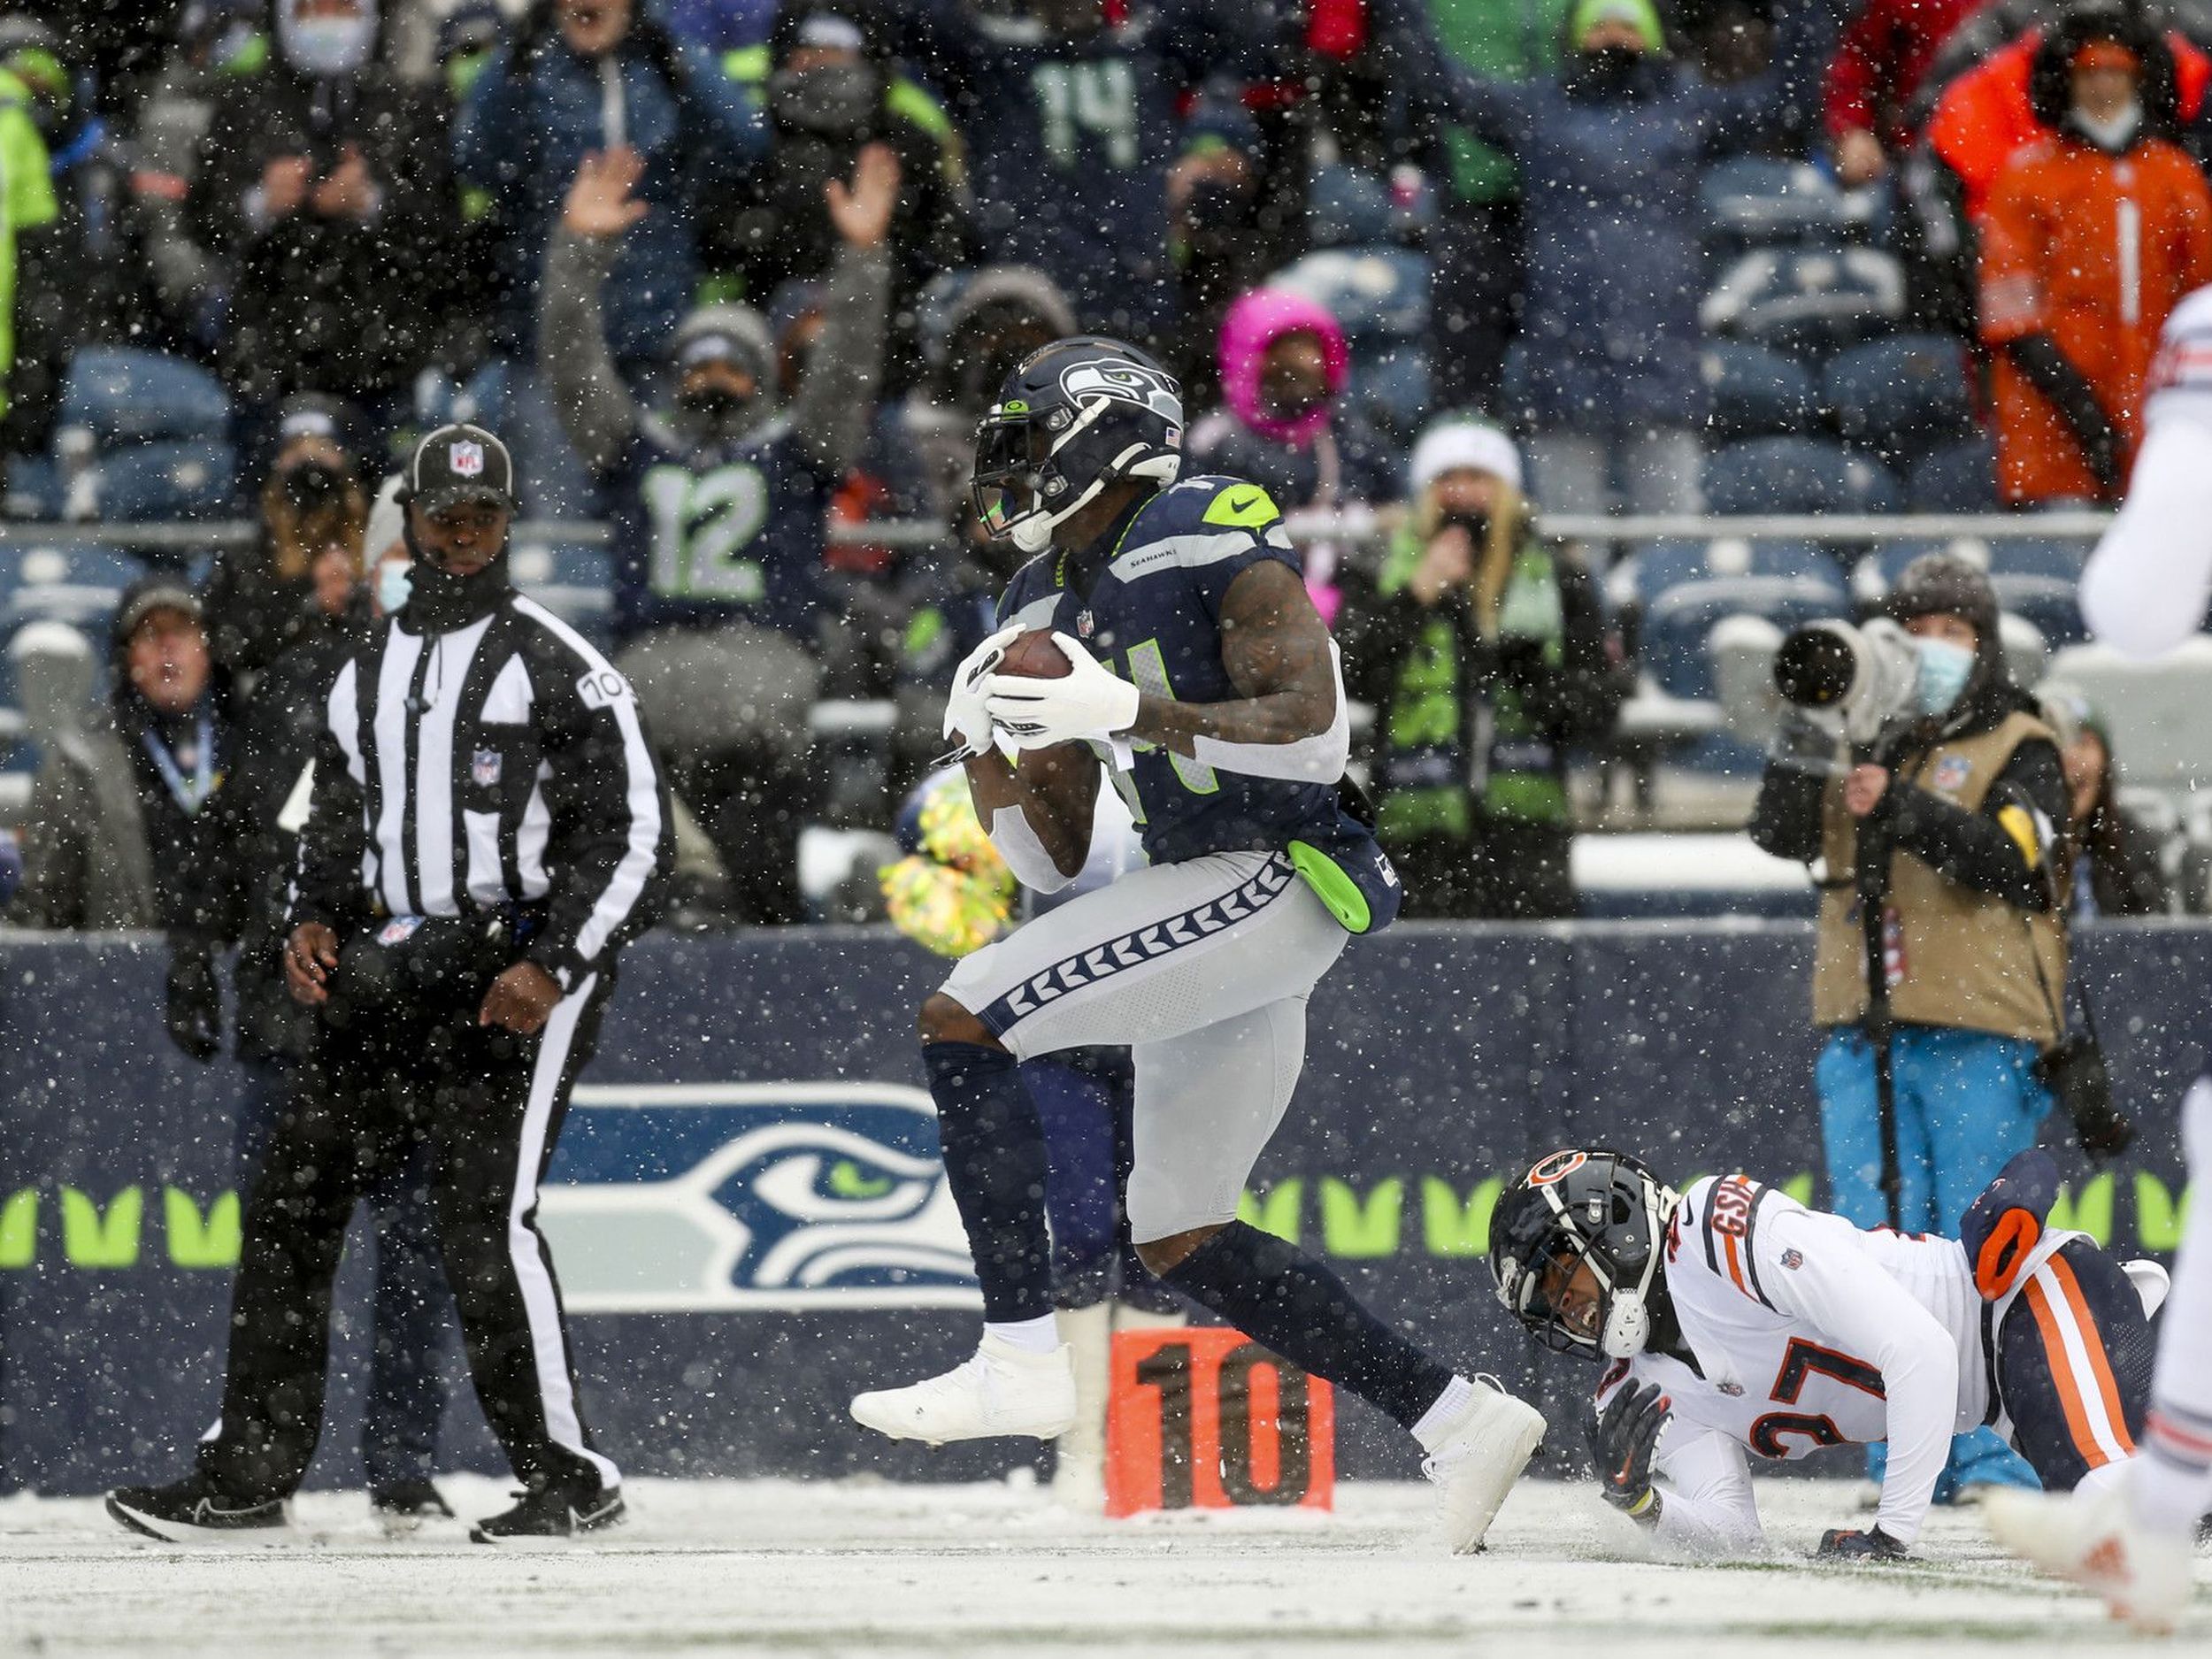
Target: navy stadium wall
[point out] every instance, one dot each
(751, 1224)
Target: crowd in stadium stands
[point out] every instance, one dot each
(1425, 268)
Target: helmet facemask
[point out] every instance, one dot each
(1611, 1223)
(1023, 489)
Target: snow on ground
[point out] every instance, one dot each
(996, 1572)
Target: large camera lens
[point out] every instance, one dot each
(311, 484)
(1814, 668)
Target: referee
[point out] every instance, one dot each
(487, 831)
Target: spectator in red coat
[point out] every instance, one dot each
(1885, 52)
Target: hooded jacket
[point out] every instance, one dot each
(1325, 455)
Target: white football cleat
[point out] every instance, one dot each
(1479, 1461)
(2144, 1577)
(999, 1389)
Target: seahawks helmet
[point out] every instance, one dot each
(1073, 419)
(1594, 1206)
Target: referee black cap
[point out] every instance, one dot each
(460, 463)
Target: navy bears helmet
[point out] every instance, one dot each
(1575, 1206)
(1074, 417)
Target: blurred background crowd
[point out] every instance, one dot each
(1452, 279)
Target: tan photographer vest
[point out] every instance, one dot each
(1968, 960)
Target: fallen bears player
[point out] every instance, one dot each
(1738, 1319)
(1197, 666)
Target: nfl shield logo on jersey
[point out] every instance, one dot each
(465, 458)
(484, 767)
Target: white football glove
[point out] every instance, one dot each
(1089, 702)
(965, 717)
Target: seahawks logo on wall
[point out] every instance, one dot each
(729, 1198)
(1129, 382)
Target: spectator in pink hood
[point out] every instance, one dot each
(1287, 426)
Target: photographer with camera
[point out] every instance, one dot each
(1482, 649)
(1935, 804)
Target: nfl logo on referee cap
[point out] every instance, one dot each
(461, 462)
(467, 458)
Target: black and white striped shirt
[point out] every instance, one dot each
(503, 762)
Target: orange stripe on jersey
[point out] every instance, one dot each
(2093, 1340)
(2062, 1378)
(1735, 1266)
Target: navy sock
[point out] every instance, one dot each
(995, 1160)
(1285, 1300)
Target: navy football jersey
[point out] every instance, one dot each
(1153, 616)
(717, 533)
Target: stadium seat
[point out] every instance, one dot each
(1754, 201)
(78, 586)
(185, 480)
(123, 395)
(1768, 475)
(1659, 566)
(1347, 207)
(1959, 477)
(1677, 623)
(1374, 292)
(34, 488)
(1809, 303)
(1391, 385)
(1900, 396)
(1758, 393)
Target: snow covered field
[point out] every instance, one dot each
(991, 1572)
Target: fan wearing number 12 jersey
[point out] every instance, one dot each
(1733, 1319)
(718, 502)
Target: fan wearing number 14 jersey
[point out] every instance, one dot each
(719, 501)
(1731, 1318)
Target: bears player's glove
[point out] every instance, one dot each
(965, 718)
(1089, 700)
(1621, 1442)
(1841, 1543)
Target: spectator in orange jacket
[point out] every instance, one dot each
(2091, 235)
(1988, 115)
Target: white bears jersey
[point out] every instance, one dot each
(1806, 1332)
(2146, 588)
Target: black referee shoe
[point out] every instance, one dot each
(550, 1514)
(195, 1511)
(404, 1505)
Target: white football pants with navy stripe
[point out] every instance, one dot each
(1202, 969)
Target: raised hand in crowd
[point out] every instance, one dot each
(1447, 564)
(600, 203)
(861, 211)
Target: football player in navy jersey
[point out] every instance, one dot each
(718, 502)
(1202, 677)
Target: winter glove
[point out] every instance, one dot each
(195, 1015)
(965, 718)
(1621, 1444)
(1810, 739)
(1841, 1543)
(1089, 702)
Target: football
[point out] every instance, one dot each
(1032, 656)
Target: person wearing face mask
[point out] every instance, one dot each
(1284, 424)
(719, 499)
(324, 182)
(830, 91)
(1610, 150)
(261, 599)
(1938, 847)
(2091, 237)
(1482, 649)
